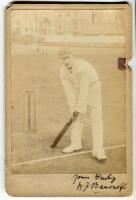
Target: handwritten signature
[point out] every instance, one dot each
(100, 182)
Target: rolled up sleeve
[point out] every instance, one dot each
(68, 89)
(81, 105)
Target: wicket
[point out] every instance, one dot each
(30, 112)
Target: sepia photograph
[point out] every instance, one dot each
(68, 94)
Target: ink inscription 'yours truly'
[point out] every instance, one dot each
(109, 177)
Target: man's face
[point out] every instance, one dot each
(66, 59)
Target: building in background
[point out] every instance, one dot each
(47, 23)
(39, 29)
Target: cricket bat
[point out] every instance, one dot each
(61, 133)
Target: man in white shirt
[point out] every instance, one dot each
(82, 88)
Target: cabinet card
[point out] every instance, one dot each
(68, 99)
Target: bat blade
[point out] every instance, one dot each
(61, 133)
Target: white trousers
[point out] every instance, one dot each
(95, 113)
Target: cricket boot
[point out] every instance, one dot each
(99, 154)
(71, 148)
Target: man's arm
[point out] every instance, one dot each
(83, 92)
(68, 89)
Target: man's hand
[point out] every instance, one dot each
(75, 115)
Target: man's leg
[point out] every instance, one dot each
(97, 123)
(76, 134)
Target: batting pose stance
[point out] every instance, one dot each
(82, 88)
